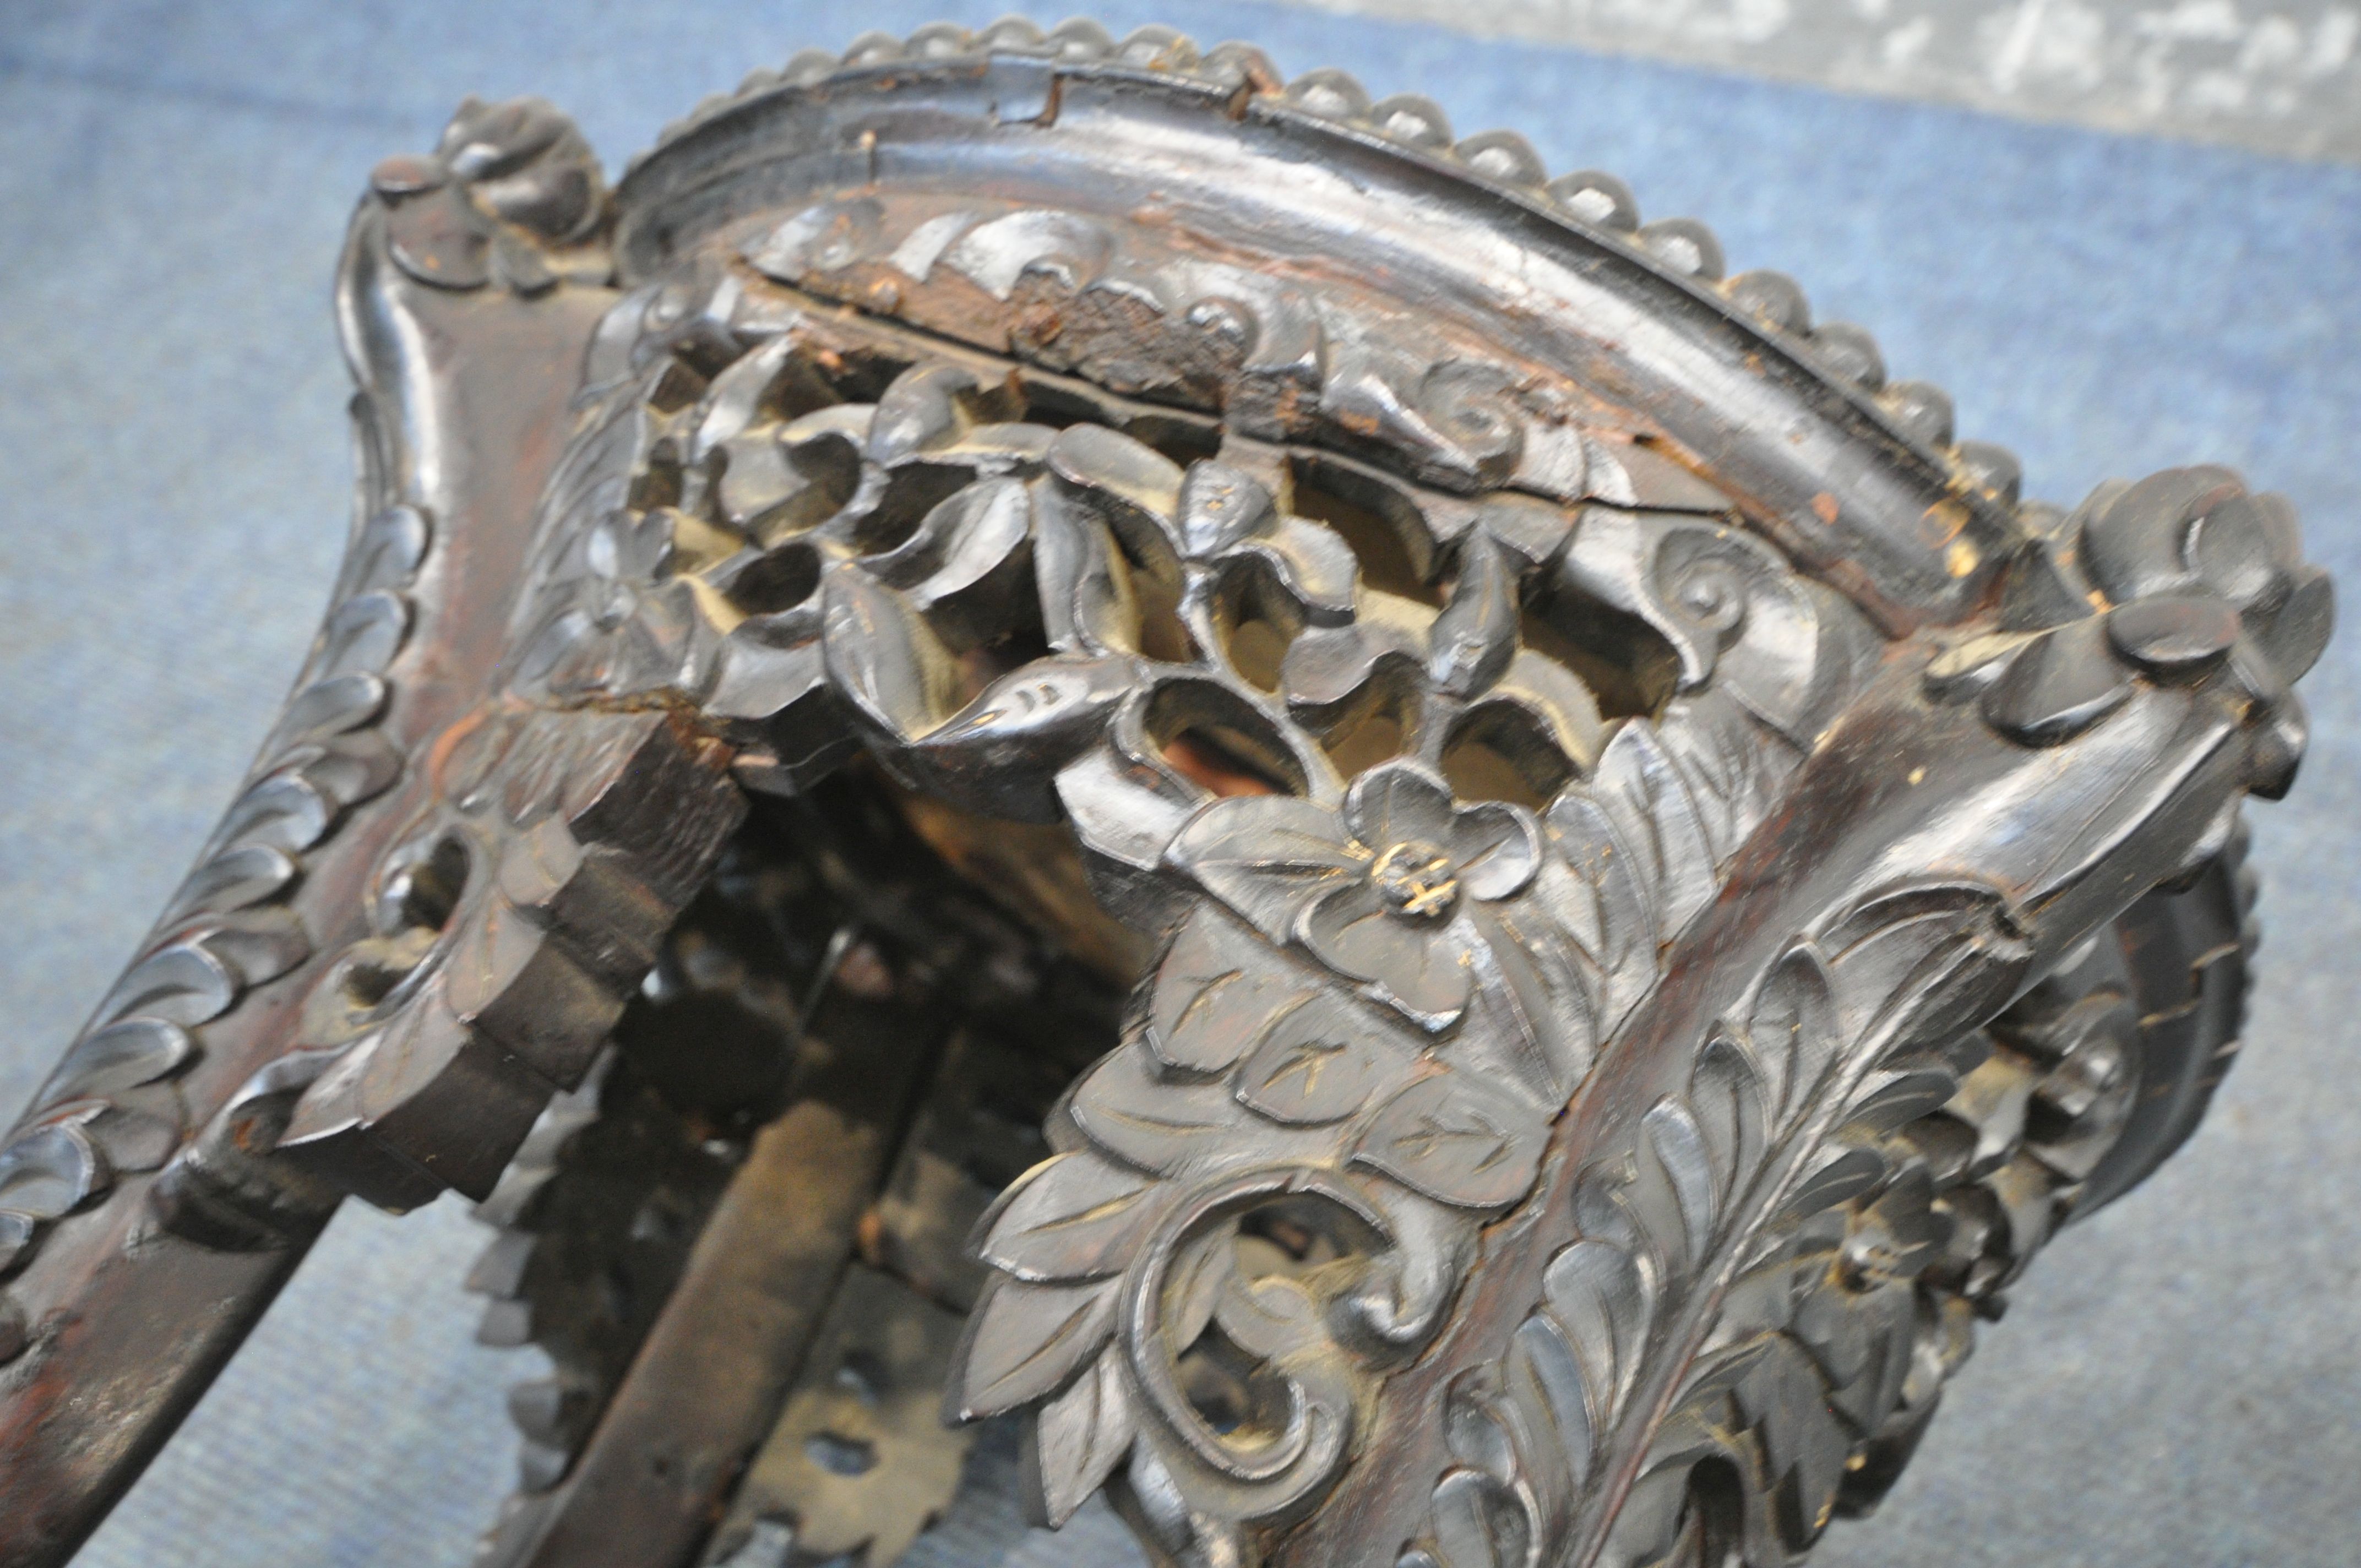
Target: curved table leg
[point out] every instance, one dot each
(1638, 860)
(142, 1233)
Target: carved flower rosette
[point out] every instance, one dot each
(1402, 875)
(1540, 863)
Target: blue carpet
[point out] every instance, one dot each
(2177, 1385)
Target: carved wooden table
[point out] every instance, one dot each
(1506, 890)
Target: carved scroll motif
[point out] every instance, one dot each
(1379, 989)
(1617, 823)
(1385, 967)
(1777, 1259)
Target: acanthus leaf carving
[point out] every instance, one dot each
(1005, 1359)
(1542, 991)
(1126, 1108)
(1078, 1438)
(1067, 1219)
(1788, 1111)
(1383, 980)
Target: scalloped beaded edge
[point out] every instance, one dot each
(1844, 353)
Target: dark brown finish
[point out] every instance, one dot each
(767, 1262)
(1652, 882)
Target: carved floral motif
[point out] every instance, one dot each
(1375, 890)
(1380, 982)
(1422, 715)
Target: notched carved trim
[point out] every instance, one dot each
(1552, 876)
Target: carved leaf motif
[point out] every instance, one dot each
(1655, 1524)
(1726, 1095)
(1316, 568)
(1782, 1399)
(390, 545)
(232, 881)
(184, 982)
(120, 1057)
(1458, 1139)
(1088, 603)
(1318, 1063)
(976, 541)
(1267, 857)
(1773, 1271)
(362, 633)
(1201, 1276)
(1479, 1522)
(18, 1235)
(1217, 991)
(1730, 774)
(736, 395)
(1837, 1173)
(1073, 1216)
(884, 660)
(1603, 1300)
(52, 1168)
(1222, 507)
(1792, 1024)
(1593, 849)
(1078, 1439)
(1803, 666)
(1155, 1125)
(1552, 703)
(1328, 664)
(1658, 823)
(1093, 459)
(1878, 1328)
(926, 407)
(1539, 996)
(1476, 636)
(999, 752)
(1679, 1151)
(1025, 1340)
(283, 810)
(1942, 956)
(1902, 1092)
(1546, 1380)
(138, 1129)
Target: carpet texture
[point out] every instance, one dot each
(2177, 1381)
